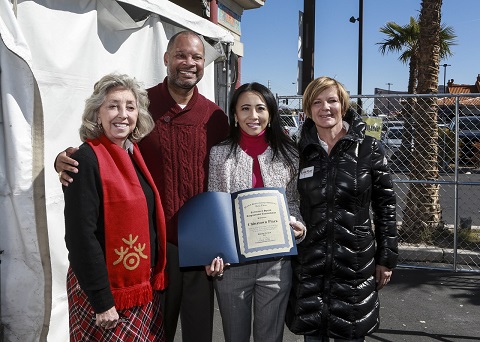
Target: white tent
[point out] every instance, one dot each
(51, 53)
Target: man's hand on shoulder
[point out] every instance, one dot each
(63, 163)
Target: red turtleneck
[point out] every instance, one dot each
(254, 145)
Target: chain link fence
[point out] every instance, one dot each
(433, 149)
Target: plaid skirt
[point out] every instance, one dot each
(137, 324)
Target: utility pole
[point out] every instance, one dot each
(360, 46)
(445, 76)
(360, 50)
(308, 43)
(388, 99)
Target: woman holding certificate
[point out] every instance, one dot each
(256, 154)
(344, 180)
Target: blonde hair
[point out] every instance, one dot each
(89, 128)
(320, 84)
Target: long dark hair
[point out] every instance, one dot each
(278, 140)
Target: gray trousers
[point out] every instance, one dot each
(258, 288)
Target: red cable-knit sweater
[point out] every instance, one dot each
(176, 151)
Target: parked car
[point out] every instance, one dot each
(392, 137)
(387, 123)
(290, 125)
(468, 136)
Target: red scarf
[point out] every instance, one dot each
(127, 233)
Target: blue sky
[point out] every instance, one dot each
(270, 37)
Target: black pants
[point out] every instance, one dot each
(190, 295)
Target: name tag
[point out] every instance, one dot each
(306, 172)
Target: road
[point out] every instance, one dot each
(468, 196)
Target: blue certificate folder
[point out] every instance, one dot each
(246, 225)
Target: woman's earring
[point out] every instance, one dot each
(236, 123)
(269, 124)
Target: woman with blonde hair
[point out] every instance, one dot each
(345, 257)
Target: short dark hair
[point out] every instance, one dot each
(183, 33)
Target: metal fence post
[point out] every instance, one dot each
(1, 324)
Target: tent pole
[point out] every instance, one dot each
(227, 80)
(15, 7)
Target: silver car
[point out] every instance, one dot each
(290, 125)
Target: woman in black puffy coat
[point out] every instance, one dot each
(344, 185)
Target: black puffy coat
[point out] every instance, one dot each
(334, 291)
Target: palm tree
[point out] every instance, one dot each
(404, 39)
(422, 213)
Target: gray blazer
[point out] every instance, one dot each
(234, 173)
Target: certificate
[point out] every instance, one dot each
(246, 225)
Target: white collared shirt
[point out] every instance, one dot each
(345, 126)
(129, 146)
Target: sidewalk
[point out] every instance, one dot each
(425, 306)
(418, 306)
(430, 305)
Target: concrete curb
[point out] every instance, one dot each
(438, 255)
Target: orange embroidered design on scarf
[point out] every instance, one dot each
(130, 260)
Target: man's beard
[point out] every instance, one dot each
(185, 83)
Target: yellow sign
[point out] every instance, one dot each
(374, 126)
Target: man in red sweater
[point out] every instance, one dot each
(176, 152)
